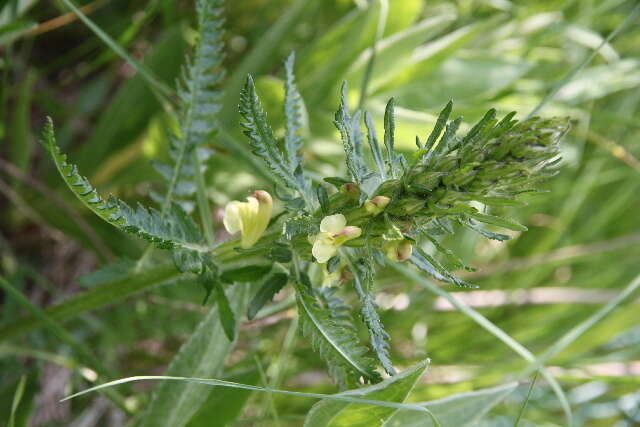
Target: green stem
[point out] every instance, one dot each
(202, 200)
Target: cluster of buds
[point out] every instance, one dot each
(494, 164)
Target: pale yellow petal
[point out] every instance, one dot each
(323, 250)
(333, 223)
(231, 220)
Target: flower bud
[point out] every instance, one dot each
(398, 250)
(351, 190)
(250, 218)
(376, 205)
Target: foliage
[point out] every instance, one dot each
(467, 191)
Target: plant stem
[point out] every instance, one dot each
(202, 200)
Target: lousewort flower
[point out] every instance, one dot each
(250, 218)
(398, 250)
(333, 233)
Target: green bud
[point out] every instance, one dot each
(376, 205)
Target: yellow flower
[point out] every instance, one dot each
(398, 250)
(376, 205)
(333, 233)
(250, 218)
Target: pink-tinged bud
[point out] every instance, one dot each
(376, 205)
(351, 232)
(399, 250)
(263, 197)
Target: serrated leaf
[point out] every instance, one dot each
(293, 112)
(175, 230)
(338, 344)
(375, 146)
(432, 267)
(271, 286)
(509, 224)
(443, 117)
(261, 138)
(363, 273)
(341, 414)
(301, 225)
(199, 104)
(389, 137)
(488, 234)
(451, 257)
(351, 135)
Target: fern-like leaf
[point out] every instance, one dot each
(338, 344)
(363, 280)
(352, 139)
(293, 112)
(175, 230)
(261, 137)
(199, 105)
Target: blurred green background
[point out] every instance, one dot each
(581, 249)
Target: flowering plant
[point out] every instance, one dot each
(329, 236)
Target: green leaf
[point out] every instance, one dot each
(440, 124)
(389, 135)
(173, 231)
(17, 397)
(336, 342)
(432, 267)
(267, 291)
(250, 273)
(363, 281)
(197, 118)
(395, 389)
(261, 138)
(97, 296)
(351, 135)
(107, 273)
(294, 112)
(301, 225)
(202, 355)
(459, 410)
(375, 146)
(227, 317)
(509, 224)
(488, 234)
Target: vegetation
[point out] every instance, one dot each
(279, 217)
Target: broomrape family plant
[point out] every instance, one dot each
(330, 237)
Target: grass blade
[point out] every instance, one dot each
(221, 383)
(494, 330)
